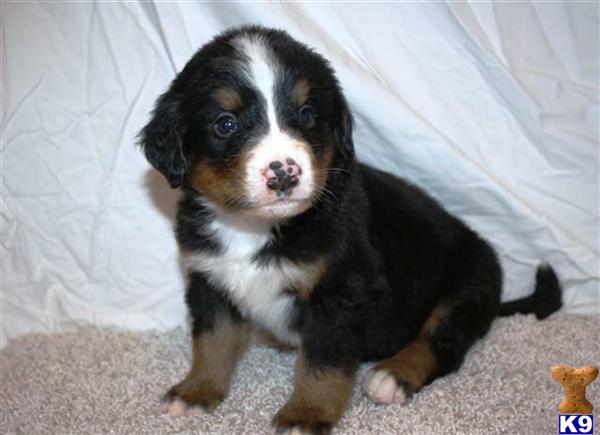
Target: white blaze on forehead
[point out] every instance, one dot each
(277, 145)
(262, 68)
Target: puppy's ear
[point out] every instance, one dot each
(162, 138)
(343, 128)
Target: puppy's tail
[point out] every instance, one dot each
(545, 300)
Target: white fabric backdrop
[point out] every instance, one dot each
(493, 108)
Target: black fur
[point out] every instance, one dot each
(545, 300)
(206, 303)
(393, 252)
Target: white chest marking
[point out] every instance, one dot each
(256, 289)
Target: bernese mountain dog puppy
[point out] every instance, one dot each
(284, 229)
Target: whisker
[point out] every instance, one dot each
(325, 195)
(332, 170)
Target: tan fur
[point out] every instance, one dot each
(439, 313)
(220, 184)
(412, 366)
(228, 99)
(265, 338)
(300, 92)
(215, 355)
(319, 397)
(574, 381)
(314, 272)
(416, 362)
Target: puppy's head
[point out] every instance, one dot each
(256, 123)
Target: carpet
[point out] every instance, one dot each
(106, 381)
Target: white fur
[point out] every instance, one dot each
(178, 408)
(381, 387)
(276, 145)
(262, 69)
(256, 289)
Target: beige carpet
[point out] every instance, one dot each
(100, 382)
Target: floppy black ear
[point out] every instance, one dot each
(343, 128)
(162, 138)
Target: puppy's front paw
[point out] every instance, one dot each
(302, 420)
(189, 399)
(178, 408)
(381, 387)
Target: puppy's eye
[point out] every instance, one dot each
(225, 126)
(306, 116)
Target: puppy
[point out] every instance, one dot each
(285, 229)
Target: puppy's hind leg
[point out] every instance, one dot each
(394, 379)
(463, 315)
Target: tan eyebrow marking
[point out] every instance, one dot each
(300, 92)
(228, 99)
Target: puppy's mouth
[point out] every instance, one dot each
(279, 208)
(281, 201)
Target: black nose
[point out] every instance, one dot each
(283, 177)
(283, 184)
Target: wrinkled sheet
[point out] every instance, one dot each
(493, 108)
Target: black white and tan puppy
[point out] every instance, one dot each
(284, 229)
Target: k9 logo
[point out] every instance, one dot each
(575, 424)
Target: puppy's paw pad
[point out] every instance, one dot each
(178, 408)
(381, 387)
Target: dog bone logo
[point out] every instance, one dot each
(574, 380)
